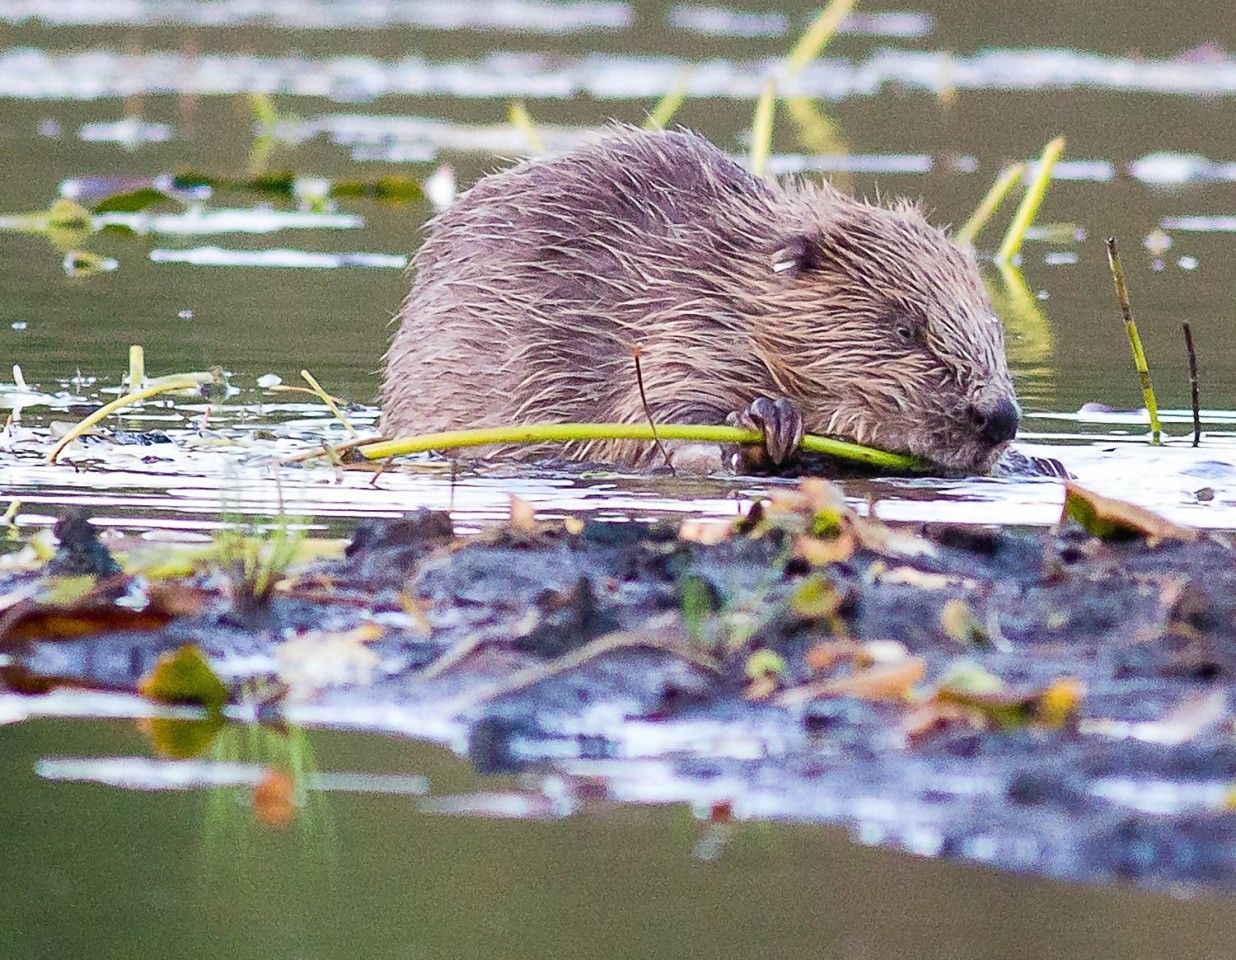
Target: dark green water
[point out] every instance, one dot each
(102, 873)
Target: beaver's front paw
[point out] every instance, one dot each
(782, 426)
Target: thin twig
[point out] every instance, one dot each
(329, 450)
(517, 113)
(137, 366)
(817, 35)
(643, 398)
(1194, 393)
(1135, 341)
(664, 632)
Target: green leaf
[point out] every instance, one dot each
(815, 599)
(68, 215)
(183, 676)
(963, 625)
(763, 663)
(182, 739)
(132, 201)
(386, 189)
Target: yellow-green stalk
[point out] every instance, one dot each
(761, 129)
(566, 432)
(178, 381)
(1135, 341)
(990, 204)
(817, 35)
(1030, 202)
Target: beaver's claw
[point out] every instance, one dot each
(782, 426)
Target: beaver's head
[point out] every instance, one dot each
(888, 335)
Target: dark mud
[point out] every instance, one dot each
(1048, 702)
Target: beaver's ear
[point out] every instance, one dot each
(800, 253)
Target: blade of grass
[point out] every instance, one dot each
(990, 204)
(327, 399)
(566, 432)
(1030, 202)
(668, 105)
(1135, 341)
(817, 35)
(521, 120)
(137, 366)
(761, 129)
(178, 381)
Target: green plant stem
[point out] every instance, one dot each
(990, 204)
(1030, 202)
(761, 129)
(179, 381)
(668, 105)
(818, 34)
(137, 366)
(1135, 340)
(327, 399)
(565, 432)
(519, 117)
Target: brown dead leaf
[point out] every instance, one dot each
(705, 532)
(95, 612)
(824, 656)
(523, 514)
(963, 625)
(912, 577)
(884, 682)
(1111, 519)
(820, 553)
(889, 542)
(934, 717)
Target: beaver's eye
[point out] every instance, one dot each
(905, 332)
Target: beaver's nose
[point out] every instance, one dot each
(996, 422)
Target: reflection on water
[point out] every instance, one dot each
(381, 875)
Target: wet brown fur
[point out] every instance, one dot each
(532, 290)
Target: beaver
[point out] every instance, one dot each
(782, 307)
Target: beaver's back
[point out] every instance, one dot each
(531, 292)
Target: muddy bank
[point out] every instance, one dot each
(1059, 703)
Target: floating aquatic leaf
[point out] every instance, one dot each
(132, 201)
(184, 676)
(66, 214)
(385, 189)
